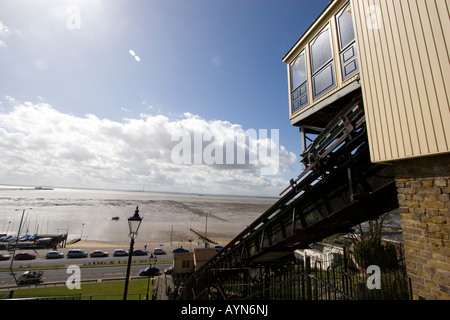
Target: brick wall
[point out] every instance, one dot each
(423, 186)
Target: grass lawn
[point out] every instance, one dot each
(96, 291)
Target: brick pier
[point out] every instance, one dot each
(423, 186)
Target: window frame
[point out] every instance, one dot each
(299, 93)
(319, 71)
(348, 55)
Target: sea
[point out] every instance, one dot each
(101, 215)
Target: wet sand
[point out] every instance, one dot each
(99, 217)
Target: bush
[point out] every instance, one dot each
(372, 252)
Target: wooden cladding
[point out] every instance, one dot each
(403, 52)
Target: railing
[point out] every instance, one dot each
(305, 278)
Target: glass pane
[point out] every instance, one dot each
(323, 81)
(321, 50)
(298, 71)
(345, 27)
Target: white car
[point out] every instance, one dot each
(99, 253)
(120, 253)
(54, 255)
(30, 277)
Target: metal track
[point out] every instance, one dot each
(340, 188)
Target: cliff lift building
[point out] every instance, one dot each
(369, 90)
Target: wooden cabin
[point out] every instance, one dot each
(394, 54)
(397, 54)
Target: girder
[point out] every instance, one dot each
(340, 188)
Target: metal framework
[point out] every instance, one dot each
(339, 188)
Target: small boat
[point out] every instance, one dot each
(33, 237)
(115, 218)
(25, 237)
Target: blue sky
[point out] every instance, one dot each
(68, 81)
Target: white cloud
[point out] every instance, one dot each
(40, 145)
(11, 100)
(4, 30)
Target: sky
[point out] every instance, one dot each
(133, 94)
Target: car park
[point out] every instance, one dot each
(24, 256)
(159, 251)
(54, 255)
(120, 253)
(98, 254)
(149, 271)
(76, 253)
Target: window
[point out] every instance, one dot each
(322, 67)
(345, 27)
(299, 93)
(298, 71)
(347, 46)
(186, 264)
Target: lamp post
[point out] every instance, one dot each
(133, 224)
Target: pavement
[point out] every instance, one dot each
(163, 282)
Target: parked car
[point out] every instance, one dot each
(139, 252)
(149, 271)
(218, 247)
(76, 253)
(54, 255)
(168, 270)
(4, 257)
(24, 256)
(179, 250)
(29, 277)
(158, 251)
(99, 254)
(120, 253)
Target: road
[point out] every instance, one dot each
(61, 273)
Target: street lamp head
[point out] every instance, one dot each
(134, 222)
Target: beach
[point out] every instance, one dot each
(99, 217)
